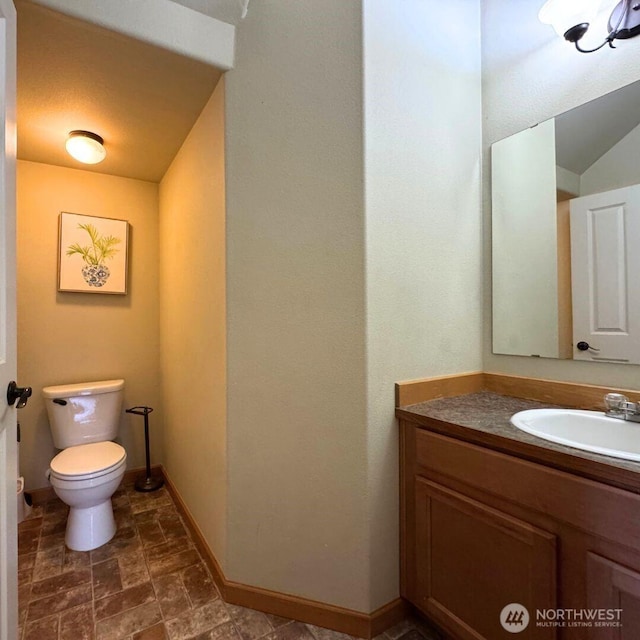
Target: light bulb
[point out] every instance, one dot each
(564, 14)
(86, 147)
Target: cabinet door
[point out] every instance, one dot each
(472, 561)
(612, 586)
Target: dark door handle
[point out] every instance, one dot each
(19, 394)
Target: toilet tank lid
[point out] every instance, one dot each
(83, 389)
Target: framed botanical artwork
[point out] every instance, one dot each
(92, 254)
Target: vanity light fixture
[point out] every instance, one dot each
(571, 19)
(86, 146)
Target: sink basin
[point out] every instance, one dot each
(587, 430)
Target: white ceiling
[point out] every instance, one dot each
(587, 132)
(226, 10)
(141, 99)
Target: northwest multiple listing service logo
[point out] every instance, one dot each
(515, 618)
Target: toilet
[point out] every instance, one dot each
(84, 419)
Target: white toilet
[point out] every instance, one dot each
(84, 418)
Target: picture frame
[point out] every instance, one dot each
(92, 254)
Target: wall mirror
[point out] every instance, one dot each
(566, 234)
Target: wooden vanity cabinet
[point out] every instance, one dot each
(482, 529)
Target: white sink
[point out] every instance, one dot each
(587, 430)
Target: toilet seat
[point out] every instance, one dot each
(88, 461)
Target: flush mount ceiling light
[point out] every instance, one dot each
(86, 147)
(571, 19)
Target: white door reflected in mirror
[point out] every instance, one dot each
(605, 263)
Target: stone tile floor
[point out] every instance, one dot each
(148, 583)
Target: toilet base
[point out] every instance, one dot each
(91, 527)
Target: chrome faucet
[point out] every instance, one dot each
(618, 406)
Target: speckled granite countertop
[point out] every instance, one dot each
(483, 418)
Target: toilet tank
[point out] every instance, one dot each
(85, 412)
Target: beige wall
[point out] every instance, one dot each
(529, 75)
(193, 324)
(297, 444)
(351, 263)
(76, 337)
(423, 238)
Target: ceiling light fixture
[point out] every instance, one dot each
(86, 147)
(571, 19)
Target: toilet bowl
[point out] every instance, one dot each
(85, 477)
(84, 419)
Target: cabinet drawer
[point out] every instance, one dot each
(601, 510)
